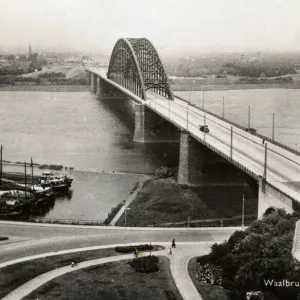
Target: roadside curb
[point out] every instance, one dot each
(122, 228)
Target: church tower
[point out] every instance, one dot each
(29, 52)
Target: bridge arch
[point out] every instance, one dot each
(136, 65)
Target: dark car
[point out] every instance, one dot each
(251, 130)
(204, 128)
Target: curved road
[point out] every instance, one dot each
(41, 238)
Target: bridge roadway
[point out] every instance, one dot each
(29, 238)
(283, 167)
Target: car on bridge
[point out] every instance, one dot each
(251, 130)
(204, 128)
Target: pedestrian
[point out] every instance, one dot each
(136, 252)
(170, 252)
(263, 141)
(72, 263)
(173, 243)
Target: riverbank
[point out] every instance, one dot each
(162, 202)
(233, 86)
(45, 88)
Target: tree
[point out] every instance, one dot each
(11, 57)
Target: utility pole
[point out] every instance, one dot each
(265, 168)
(204, 126)
(243, 208)
(31, 163)
(223, 109)
(231, 138)
(1, 165)
(187, 117)
(273, 121)
(248, 117)
(25, 182)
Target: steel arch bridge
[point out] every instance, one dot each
(136, 65)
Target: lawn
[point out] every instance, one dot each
(15, 275)
(162, 201)
(206, 290)
(111, 281)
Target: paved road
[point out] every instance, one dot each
(44, 238)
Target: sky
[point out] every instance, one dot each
(173, 26)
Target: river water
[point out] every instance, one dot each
(76, 130)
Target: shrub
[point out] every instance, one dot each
(130, 249)
(236, 237)
(147, 264)
(164, 172)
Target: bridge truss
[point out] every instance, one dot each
(136, 65)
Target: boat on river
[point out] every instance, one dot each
(58, 182)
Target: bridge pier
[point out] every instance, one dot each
(151, 127)
(272, 198)
(192, 159)
(93, 82)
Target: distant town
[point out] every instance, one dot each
(208, 71)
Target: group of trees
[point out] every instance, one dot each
(262, 252)
(239, 65)
(257, 69)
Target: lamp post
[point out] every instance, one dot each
(248, 117)
(223, 109)
(231, 138)
(127, 208)
(273, 121)
(187, 117)
(203, 101)
(204, 126)
(1, 165)
(265, 168)
(243, 212)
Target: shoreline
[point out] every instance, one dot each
(233, 86)
(175, 87)
(44, 88)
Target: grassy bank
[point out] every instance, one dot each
(163, 200)
(206, 290)
(45, 88)
(111, 281)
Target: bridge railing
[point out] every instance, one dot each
(241, 127)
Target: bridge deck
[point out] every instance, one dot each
(248, 151)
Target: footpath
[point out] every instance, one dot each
(129, 200)
(178, 265)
